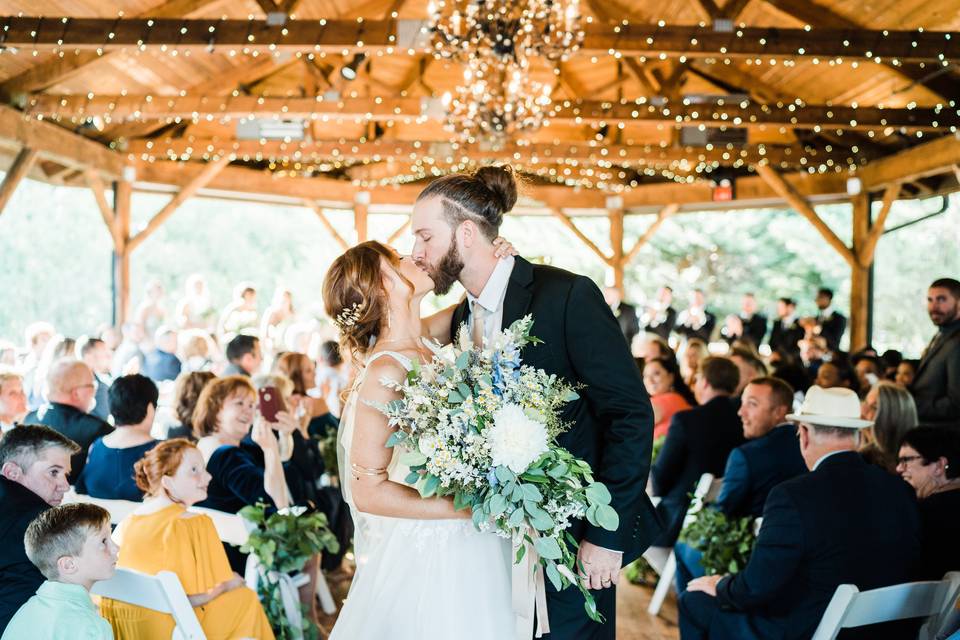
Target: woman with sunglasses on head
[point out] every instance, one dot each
(929, 460)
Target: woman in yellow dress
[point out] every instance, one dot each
(162, 535)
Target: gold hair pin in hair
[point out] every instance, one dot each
(349, 316)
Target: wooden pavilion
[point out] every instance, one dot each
(666, 107)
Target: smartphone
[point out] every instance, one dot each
(270, 403)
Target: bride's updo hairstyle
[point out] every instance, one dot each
(482, 197)
(354, 296)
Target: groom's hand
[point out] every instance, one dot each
(599, 567)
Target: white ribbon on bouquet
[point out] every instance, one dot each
(529, 591)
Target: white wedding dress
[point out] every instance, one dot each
(420, 579)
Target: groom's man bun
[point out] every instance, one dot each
(482, 197)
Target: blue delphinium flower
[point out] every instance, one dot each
(492, 478)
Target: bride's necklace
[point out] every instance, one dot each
(380, 343)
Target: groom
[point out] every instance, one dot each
(454, 222)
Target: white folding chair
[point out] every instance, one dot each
(708, 488)
(162, 592)
(119, 509)
(851, 607)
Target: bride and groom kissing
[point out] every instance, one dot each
(423, 571)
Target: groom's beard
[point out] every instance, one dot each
(447, 270)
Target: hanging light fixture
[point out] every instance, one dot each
(508, 30)
(496, 101)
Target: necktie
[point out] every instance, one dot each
(477, 319)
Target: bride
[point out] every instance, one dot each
(423, 571)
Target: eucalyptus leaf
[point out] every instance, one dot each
(548, 548)
(504, 474)
(464, 390)
(395, 438)
(412, 458)
(607, 517)
(521, 552)
(558, 471)
(554, 576)
(463, 360)
(530, 492)
(430, 486)
(498, 504)
(455, 398)
(412, 477)
(516, 518)
(597, 493)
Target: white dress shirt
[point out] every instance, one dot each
(492, 297)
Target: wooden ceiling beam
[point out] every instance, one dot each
(76, 109)
(325, 221)
(98, 188)
(590, 244)
(648, 234)
(58, 144)
(927, 159)
(339, 34)
(866, 251)
(400, 150)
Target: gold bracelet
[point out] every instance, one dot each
(366, 471)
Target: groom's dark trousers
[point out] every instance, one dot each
(611, 425)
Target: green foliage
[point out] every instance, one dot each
(640, 572)
(725, 543)
(282, 542)
(657, 447)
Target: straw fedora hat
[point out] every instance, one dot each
(836, 407)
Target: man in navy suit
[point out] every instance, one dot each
(698, 442)
(845, 522)
(770, 457)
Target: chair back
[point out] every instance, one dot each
(162, 592)
(231, 527)
(119, 509)
(706, 491)
(851, 607)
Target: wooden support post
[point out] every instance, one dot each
(20, 167)
(860, 274)
(209, 172)
(310, 204)
(360, 212)
(123, 191)
(662, 216)
(786, 191)
(106, 211)
(616, 243)
(866, 252)
(568, 223)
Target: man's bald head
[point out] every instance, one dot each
(71, 382)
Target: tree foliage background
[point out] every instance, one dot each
(55, 257)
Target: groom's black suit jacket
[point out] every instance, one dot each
(612, 422)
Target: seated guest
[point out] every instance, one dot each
(13, 400)
(929, 460)
(72, 548)
(787, 366)
(869, 371)
(936, 387)
(693, 353)
(302, 372)
(836, 374)
(698, 441)
(161, 535)
(891, 409)
(34, 463)
(96, 354)
(71, 396)
(813, 350)
(770, 456)
(186, 391)
(845, 522)
(891, 359)
(109, 470)
(162, 363)
(668, 392)
(750, 366)
(653, 346)
(244, 356)
(906, 372)
(226, 410)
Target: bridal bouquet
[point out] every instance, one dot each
(481, 426)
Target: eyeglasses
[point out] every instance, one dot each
(905, 460)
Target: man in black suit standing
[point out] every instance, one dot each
(786, 333)
(830, 323)
(695, 321)
(845, 522)
(660, 317)
(72, 394)
(936, 387)
(454, 222)
(626, 314)
(698, 442)
(34, 463)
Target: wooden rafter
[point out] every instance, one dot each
(335, 35)
(385, 150)
(399, 232)
(318, 210)
(208, 173)
(706, 10)
(662, 216)
(17, 171)
(97, 186)
(930, 158)
(786, 191)
(866, 251)
(569, 224)
(147, 107)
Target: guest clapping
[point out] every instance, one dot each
(109, 469)
(161, 535)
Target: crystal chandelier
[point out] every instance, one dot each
(496, 101)
(508, 30)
